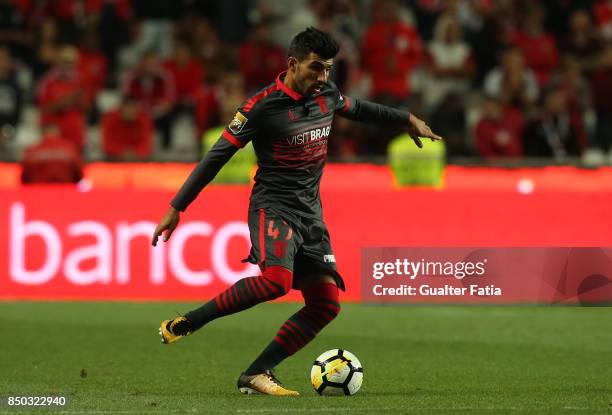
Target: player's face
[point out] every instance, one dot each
(311, 73)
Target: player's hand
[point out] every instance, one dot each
(418, 128)
(168, 224)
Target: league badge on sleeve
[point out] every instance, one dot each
(238, 123)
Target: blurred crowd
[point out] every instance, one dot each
(496, 78)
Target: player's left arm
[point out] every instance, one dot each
(366, 111)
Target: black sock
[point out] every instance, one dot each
(268, 359)
(200, 316)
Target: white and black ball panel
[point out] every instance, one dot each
(337, 372)
(355, 383)
(351, 358)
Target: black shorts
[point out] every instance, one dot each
(302, 247)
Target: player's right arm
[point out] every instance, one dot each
(237, 134)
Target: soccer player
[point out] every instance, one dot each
(289, 123)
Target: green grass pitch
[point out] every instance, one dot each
(417, 359)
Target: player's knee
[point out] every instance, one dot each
(324, 298)
(280, 278)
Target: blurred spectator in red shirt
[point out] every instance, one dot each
(499, 133)
(512, 82)
(260, 59)
(391, 49)
(187, 72)
(581, 43)
(11, 98)
(601, 85)
(62, 98)
(602, 10)
(127, 132)
(153, 87)
(450, 61)
(554, 133)
(539, 47)
(53, 160)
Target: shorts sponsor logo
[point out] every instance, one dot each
(329, 258)
(238, 123)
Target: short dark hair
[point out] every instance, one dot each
(313, 40)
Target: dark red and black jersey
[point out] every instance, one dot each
(289, 134)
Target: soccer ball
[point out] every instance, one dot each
(336, 372)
